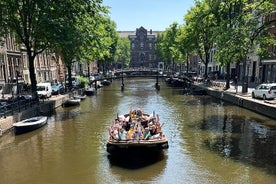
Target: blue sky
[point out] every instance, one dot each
(151, 14)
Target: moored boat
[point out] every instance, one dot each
(105, 82)
(90, 91)
(71, 102)
(81, 97)
(136, 132)
(29, 124)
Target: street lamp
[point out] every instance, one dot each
(16, 78)
(199, 68)
(2, 62)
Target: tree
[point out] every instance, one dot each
(241, 31)
(167, 45)
(122, 53)
(108, 42)
(38, 23)
(186, 46)
(201, 25)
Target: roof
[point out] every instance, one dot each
(125, 34)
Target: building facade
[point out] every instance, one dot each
(14, 64)
(143, 53)
(267, 66)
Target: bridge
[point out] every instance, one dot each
(138, 72)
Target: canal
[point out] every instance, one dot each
(210, 142)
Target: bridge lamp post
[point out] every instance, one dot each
(157, 86)
(123, 85)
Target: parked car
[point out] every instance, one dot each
(75, 81)
(95, 76)
(57, 89)
(44, 90)
(265, 91)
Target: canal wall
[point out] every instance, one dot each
(241, 100)
(44, 107)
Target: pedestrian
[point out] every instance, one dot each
(236, 83)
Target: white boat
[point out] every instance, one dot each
(81, 97)
(30, 124)
(71, 102)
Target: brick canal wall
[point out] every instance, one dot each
(255, 105)
(45, 107)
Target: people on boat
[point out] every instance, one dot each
(122, 134)
(136, 126)
(146, 134)
(137, 133)
(130, 132)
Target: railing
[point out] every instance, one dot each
(14, 106)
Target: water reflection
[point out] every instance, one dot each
(210, 142)
(242, 139)
(67, 113)
(138, 170)
(136, 161)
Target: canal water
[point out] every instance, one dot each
(210, 141)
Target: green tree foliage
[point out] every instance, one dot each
(108, 42)
(186, 46)
(201, 26)
(122, 53)
(42, 24)
(241, 30)
(162, 47)
(167, 46)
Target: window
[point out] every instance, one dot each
(142, 45)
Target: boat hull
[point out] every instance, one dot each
(90, 92)
(134, 147)
(24, 126)
(71, 102)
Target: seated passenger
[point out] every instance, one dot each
(146, 135)
(130, 132)
(153, 130)
(114, 134)
(137, 134)
(122, 134)
(126, 125)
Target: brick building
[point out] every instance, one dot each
(143, 53)
(268, 64)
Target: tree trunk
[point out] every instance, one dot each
(69, 69)
(227, 86)
(206, 70)
(32, 75)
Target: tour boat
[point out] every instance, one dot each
(142, 140)
(30, 124)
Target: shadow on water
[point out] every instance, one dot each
(136, 161)
(67, 113)
(189, 91)
(245, 140)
